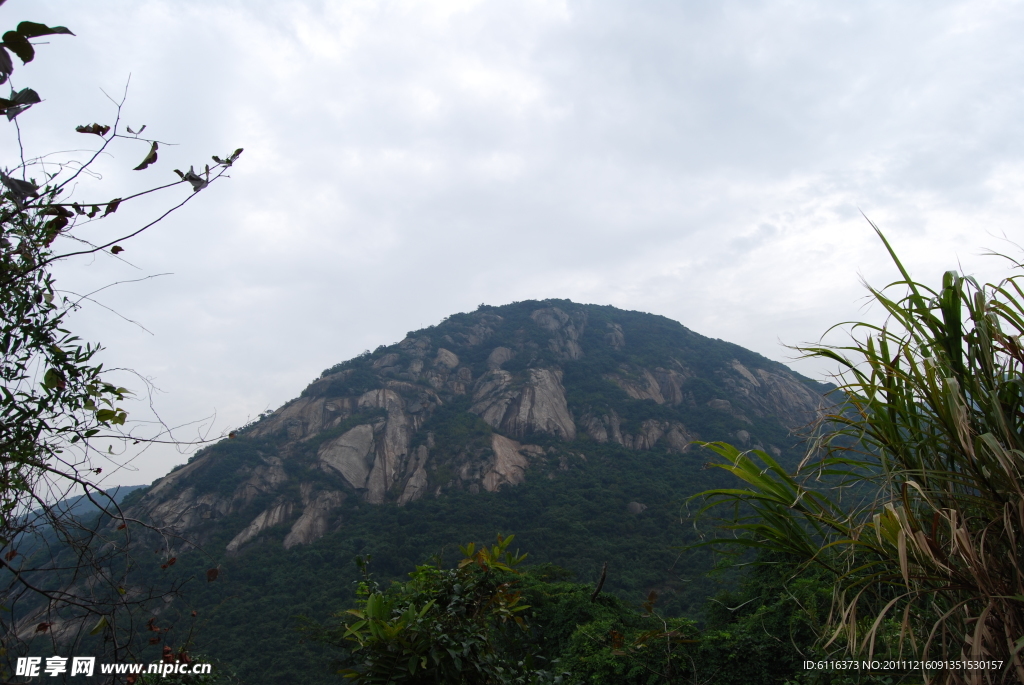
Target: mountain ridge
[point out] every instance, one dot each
(567, 425)
(479, 402)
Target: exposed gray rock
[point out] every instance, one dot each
(351, 455)
(391, 444)
(498, 356)
(604, 428)
(269, 518)
(179, 511)
(307, 416)
(614, 426)
(299, 419)
(775, 393)
(459, 380)
(615, 336)
(595, 428)
(436, 377)
(416, 486)
(262, 479)
(313, 523)
(550, 318)
(507, 467)
(171, 479)
(187, 508)
(318, 387)
(721, 405)
(567, 330)
(636, 508)
(417, 347)
(446, 359)
(643, 386)
(670, 384)
(417, 377)
(492, 395)
(678, 438)
(387, 360)
(537, 405)
(479, 333)
(608, 428)
(745, 372)
(649, 435)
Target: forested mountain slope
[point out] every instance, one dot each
(570, 425)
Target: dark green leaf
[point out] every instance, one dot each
(97, 129)
(100, 625)
(6, 65)
(19, 45)
(150, 158)
(53, 379)
(112, 206)
(18, 187)
(197, 181)
(30, 29)
(22, 100)
(25, 96)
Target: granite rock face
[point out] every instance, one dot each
(266, 519)
(531, 387)
(313, 522)
(535, 405)
(566, 330)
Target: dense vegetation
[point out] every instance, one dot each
(927, 562)
(584, 503)
(579, 520)
(487, 620)
(916, 555)
(58, 406)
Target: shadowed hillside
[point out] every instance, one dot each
(570, 425)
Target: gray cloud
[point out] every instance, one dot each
(407, 160)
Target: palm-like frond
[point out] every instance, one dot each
(932, 428)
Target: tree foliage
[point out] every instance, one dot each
(436, 629)
(917, 510)
(458, 625)
(66, 576)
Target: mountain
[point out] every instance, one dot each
(80, 506)
(477, 403)
(569, 424)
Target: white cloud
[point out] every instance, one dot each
(407, 160)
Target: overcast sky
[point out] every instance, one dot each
(707, 161)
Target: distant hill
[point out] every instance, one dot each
(81, 506)
(568, 424)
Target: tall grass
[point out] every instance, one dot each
(912, 493)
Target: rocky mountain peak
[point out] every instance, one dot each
(480, 402)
